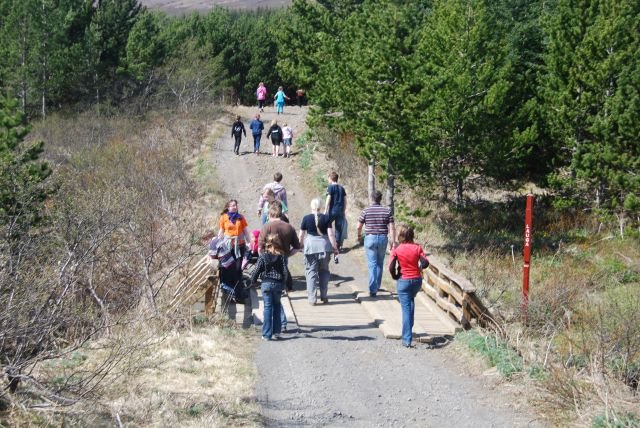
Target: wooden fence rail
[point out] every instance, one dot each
(201, 279)
(454, 295)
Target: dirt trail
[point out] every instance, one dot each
(337, 376)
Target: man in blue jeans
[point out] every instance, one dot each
(256, 127)
(336, 207)
(378, 223)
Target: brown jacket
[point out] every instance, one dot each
(284, 231)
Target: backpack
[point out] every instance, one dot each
(237, 129)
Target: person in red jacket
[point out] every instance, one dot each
(406, 263)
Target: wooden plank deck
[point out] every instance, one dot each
(349, 307)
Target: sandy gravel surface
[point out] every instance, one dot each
(353, 376)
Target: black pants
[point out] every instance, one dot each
(236, 147)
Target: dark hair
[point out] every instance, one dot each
(405, 234)
(333, 176)
(376, 196)
(277, 177)
(226, 206)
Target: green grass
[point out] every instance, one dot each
(628, 420)
(497, 353)
(75, 359)
(307, 150)
(196, 410)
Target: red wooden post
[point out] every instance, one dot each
(527, 255)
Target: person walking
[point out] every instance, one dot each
(318, 240)
(287, 139)
(269, 198)
(256, 127)
(278, 189)
(379, 223)
(275, 132)
(287, 237)
(300, 96)
(233, 232)
(406, 263)
(271, 268)
(279, 98)
(336, 207)
(261, 95)
(237, 129)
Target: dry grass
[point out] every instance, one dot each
(198, 376)
(153, 370)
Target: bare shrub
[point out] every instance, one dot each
(123, 220)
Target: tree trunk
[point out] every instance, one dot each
(391, 187)
(459, 192)
(371, 177)
(23, 79)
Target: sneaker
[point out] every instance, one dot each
(277, 336)
(266, 339)
(372, 295)
(325, 301)
(311, 303)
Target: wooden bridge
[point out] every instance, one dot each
(446, 304)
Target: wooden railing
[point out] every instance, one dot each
(202, 279)
(454, 295)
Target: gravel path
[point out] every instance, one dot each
(352, 376)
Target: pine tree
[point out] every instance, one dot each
(22, 175)
(591, 92)
(469, 107)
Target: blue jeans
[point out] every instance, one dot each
(375, 247)
(256, 142)
(271, 293)
(339, 227)
(407, 290)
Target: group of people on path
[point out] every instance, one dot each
(279, 98)
(320, 237)
(278, 135)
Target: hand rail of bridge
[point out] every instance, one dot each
(201, 279)
(454, 295)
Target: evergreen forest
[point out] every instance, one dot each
(438, 92)
(104, 103)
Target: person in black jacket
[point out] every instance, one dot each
(275, 132)
(237, 129)
(272, 269)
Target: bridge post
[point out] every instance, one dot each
(527, 256)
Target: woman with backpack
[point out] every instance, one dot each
(271, 268)
(275, 132)
(406, 264)
(237, 129)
